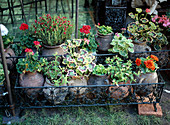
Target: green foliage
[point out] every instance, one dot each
(7, 40)
(78, 64)
(53, 30)
(2, 76)
(146, 31)
(54, 72)
(31, 63)
(104, 30)
(121, 45)
(27, 39)
(99, 70)
(119, 70)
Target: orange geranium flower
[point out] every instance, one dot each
(138, 62)
(149, 64)
(154, 57)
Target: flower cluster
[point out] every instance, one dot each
(52, 30)
(23, 26)
(164, 20)
(147, 64)
(85, 29)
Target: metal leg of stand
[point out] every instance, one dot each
(46, 6)
(62, 6)
(72, 2)
(36, 11)
(56, 5)
(154, 105)
(10, 12)
(8, 85)
(77, 13)
(22, 8)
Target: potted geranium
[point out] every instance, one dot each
(122, 45)
(104, 37)
(7, 41)
(27, 37)
(143, 31)
(54, 77)
(29, 69)
(79, 65)
(53, 31)
(147, 67)
(88, 40)
(120, 73)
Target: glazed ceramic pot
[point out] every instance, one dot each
(8, 52)
(104, 42)
(144, 90)
(30, 79)
(119, 92)
(54, 94)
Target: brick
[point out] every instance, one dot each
(148, 109)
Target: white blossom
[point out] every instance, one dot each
(4, 30)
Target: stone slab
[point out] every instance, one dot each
(148, 109)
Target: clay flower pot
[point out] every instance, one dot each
(51, 50)
(78, 91)
(119, 92)
(31, 79)
(144, 90)
(104, 42)
(55, 95)
(8, 52)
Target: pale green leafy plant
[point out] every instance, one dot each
(121, 45)
(99, 70)
(120, 71)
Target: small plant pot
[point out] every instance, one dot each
(78, 91)
(31, 79)
(104, 42)
(8, 52)
(97, 80)
(119, 92)
(144, 90)
(53, 94)
(51, 50)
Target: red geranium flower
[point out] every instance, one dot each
(99, 24)
(138, 62)
(36, 43)
(85, 29)
(28, 50)
(148, 10)
(23, 26)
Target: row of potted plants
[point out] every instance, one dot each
(77, 65)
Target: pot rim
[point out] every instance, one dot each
(51, 47)
(109, 34)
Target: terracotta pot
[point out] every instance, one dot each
(30, 79)
(11, 61)
(140, 47)
(98, 80)
(144, 90)
(104, 42)
(55, 95)
(78, 82)
(51, 50)
(119, 92)
(93, 92)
